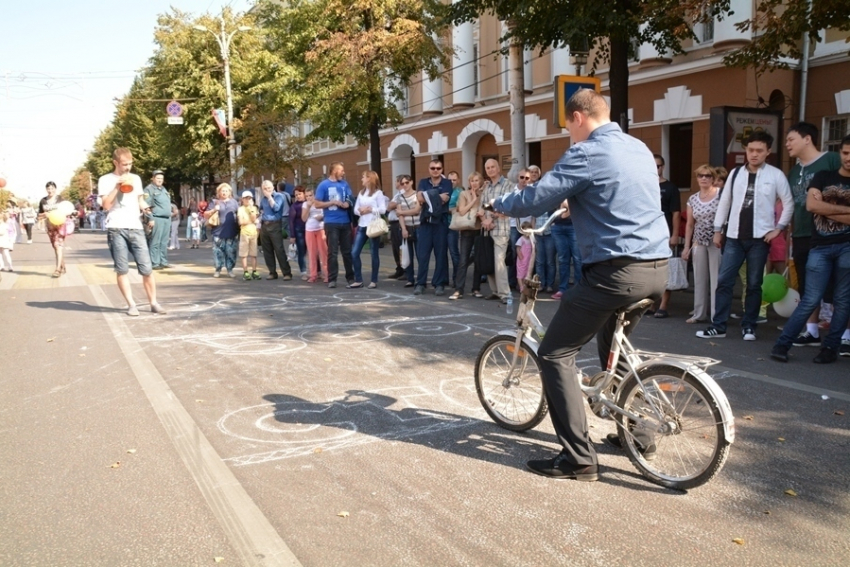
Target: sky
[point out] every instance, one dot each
(62, 65)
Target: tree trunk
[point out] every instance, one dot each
(375, 149)
(619, 82)
(517, 100)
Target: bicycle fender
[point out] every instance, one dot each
(708, 382)
(530, 342)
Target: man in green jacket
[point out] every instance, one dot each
(158, 223)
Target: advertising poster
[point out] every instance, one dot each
(730, 126)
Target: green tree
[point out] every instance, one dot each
(355, 57)
(610, 27)
(80, 186)
(778, 25)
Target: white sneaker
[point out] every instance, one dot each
(749, 334)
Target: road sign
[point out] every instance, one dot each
(175, 120)
(174, 108)
(567, 85)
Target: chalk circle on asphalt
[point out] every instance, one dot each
(363, 296)
(282, 424)
(358, 335)
(182, 306)
(247, 301)
(427, 328)
(311, 299)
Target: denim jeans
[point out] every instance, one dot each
(298, 233)
(824, 263)
(754, 251)
(359, 243)
(432, 237)
(125, 241)
(452, 240)
(567, 250)
(339, 240)
(545, 260)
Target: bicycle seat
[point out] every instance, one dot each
(642, 304)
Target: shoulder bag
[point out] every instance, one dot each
(214, 219)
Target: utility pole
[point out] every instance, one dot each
(516, 79)
(223, 39)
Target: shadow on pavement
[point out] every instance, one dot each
(73, 306)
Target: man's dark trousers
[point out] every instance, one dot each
(339, 240)
(158, 241)
(588, 309)
(433, 236)
(271, 239)
(753, 251)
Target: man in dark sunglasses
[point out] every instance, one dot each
(433, 194)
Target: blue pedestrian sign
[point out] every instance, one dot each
(567, 85)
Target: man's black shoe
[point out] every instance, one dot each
(559, 469)
(780, 353)
(826, 356)
(613, 439)
(397, 274)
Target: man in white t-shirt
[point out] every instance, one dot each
(120, 193)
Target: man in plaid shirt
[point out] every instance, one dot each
(500, 229)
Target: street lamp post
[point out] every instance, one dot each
(223, 39)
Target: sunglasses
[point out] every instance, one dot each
(435, 168)
(524, 177)
(704, 175)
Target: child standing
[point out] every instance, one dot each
(8, 234)
(317, 246)
(523, 255)
(247, 217)
(195, 223)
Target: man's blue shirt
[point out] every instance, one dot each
(611, 182)
(271, 213)
(334, 191)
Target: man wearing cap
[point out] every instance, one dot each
(158, 221)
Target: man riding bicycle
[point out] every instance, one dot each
(611, 181)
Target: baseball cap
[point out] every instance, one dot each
(247, 194)
(157, 172)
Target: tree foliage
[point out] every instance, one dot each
(778, 25)
(354, 58)
(79, 189)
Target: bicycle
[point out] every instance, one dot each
(673, 420)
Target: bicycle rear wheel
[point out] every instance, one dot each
(692, 448)
(512, 397)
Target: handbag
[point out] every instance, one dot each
(377, 227)
(469, 221)
(214, 219)
(677, 273)
(485, 254)
(405, 254)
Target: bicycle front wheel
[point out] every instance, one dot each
(692, 446)
(512, 395)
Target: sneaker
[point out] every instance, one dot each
(133, 311)
(749, 334)
(761, 320)
(272, 276)
(806, 339)
(735, 316)
(780, 353)
(332, 285)
(440, 290)
(246, 276)
(559, 469)
(557, 295)
(844, 349)
(287, 277)
(711, 333)
(826, 356)
(418, 290)
(157, 308)
(255, 276)
(217, 274)
(229, 273)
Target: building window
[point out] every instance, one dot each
(635, 49)
(835, 128)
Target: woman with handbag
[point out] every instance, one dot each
(370, 205)
(407, 208)
(468, 224)
(221, 218)
(699, 243)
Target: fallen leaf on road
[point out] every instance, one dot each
(343, 514)
(50, 340)
(712, 344)
(739, 540)
(790, 492)
(199, 401)
(759, 359)
(838, 412)
(780, 438)
(115, 465)
(131, 451)
(218, 559)
(767, 512)
(748, 417)
(317, 450)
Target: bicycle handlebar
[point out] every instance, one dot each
(536, 231)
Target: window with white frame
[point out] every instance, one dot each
(835, 128)
(704, 31)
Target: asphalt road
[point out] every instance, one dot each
(285, 423)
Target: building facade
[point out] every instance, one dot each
(463, 117)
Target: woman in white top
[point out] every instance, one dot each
(370, 202)
(699, 243)
(407, 208)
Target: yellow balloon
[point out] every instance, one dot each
(56, 217)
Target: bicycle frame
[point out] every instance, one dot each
(635, 359)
